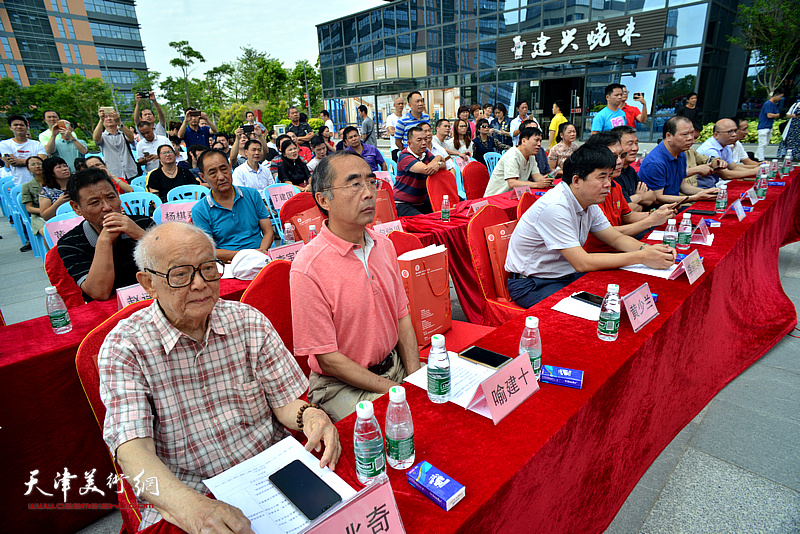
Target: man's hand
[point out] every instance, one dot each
(209, 516)
(658, 256)
(706, 194)
(641, 188)
(203, 115)
(115, 224)
(101, 114)
(543, 182)
(66, 135)
(432, 167)
(661, 215)
(152, 96)
(138, 97)
(639, 98)
(319, 429)
(704, 170)
(149, 157)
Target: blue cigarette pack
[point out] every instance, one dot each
(561, 376)
(435, 485)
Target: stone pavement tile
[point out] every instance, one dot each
(784, 355)
(21, 268)
(25, 290)
(765, 444)
(109, 523)
(634, 511)
(24, 310)
(658, 473)
(766, 390)
(706, 495)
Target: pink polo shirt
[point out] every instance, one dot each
(337, 307)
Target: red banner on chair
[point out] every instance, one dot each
(497, 238)
(426, 280)
(383, 208)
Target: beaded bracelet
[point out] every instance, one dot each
(300, 413)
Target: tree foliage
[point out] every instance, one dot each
(186, 58)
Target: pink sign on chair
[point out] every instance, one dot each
(285, 252)
(177, 211)
(57, 229)
(130, 295)
(281, 194)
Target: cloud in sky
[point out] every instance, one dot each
(217, 29)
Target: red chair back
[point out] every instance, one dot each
(269, 293)
(297, 204)
(476, 177)
(60, 278)
(403, 242)
(439, 184)
(386, 185)
(525, 202)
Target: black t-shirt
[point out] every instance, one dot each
(300, 130)
(295, 172)
(76, 249)
(160, 182)
(689, 113)
(628, 179)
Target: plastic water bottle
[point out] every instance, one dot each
(367, 443)
(288, 234)
(531, 344)
(671, 233)
(312, 231)
(438, 371)
(644, 155)
(722, 199)
(399, 430)
(552, 174)
(57, 311)
(685, 232)
(608, 325)
(787, 163)
(773, 169)
(762, 183)
(445, 208)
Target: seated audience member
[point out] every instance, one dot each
(636, 193)
(348, 302)
(222, 139)
(235, 217)
(720, 145)
(119, 184)
(98, 253)
(147, 147)
(540, 155)
(615, 207)
(168, 175)
(414, 164)
(54, 191)
(193, 153)
(192, 132)
(663, 170)
(699, 163)
(79, 164)
(305, 153)
(320, 149)
(113, 138)
(546, 252)
(275, 163)
(188, 359)
(292, 169)
(370, 153)
(518, 165)
(739, 153)
(253, 173)
(564, 147)
(461, 142)
(30, 197)
(484, 142)
(65, 145)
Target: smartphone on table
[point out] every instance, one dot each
(589, 298)
(485, 357)
(304, 489)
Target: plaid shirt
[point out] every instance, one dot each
(202, 403)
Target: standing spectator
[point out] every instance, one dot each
(391, 122)
(160, 127)
(414, 164)
(488, 113)
(516, 124)
(501, 124)
(302, 131)
(223, 140)
(113, 138)
(476, 112)
(791, 135)
(180, 157)
(416, 115)
(484, 142)
(253, 173)
(324, 115)
(463, 113)
(689, 108)
(30, 197)
(65, 145)
(53, 194)
(147, 147)
(168, 175)
(367, 127)
(558, 119)
(371, 154)
(250, 119)
(192, 133)
(292, 169)
(19, 148)
(50, 118)
(461, 141)
(193, 154)
(769, 112)
(326, 134)
(97, 162)
(610, 116)
(632, 113)
(563, 148)
(320, 149)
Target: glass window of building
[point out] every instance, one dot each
(70, 29)
(7, 48)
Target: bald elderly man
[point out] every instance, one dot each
(720, 145)
(193, 385)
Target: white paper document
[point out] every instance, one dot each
(578, 308)
(465, 379)
(644, 269)
(247, 487)
(415, 254)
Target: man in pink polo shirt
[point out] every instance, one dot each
(349, 309)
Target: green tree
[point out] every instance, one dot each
(186, 58)
(231, 118)
(145, 80)
(174, 91)
(771, 29)
(305, 75)
(215, 83)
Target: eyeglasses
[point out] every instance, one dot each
(182, 275)
(730, 132)
(484, 125)
(356, 187)
(623, 155)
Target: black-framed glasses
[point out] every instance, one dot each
(356, 187)
(182, 275)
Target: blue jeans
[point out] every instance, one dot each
(526, 292)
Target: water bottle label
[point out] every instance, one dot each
(439, 383)
(670, 241)
(761, 192)
(721, 204)
(445, 214)
(400, 449)
(59, 318)
(370, 466)
(684, 238)
(608, 325)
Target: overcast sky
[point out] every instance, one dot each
(286, 29)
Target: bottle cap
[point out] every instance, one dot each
(50, 290)
(532, 322)
(445, 197)
(364, 410)
(723, 186)
(397, 394)
(671, 221)
(437, 341)
(687, 215)
(312, 227)
(613, 288)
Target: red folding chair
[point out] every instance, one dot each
(439, 184)
(60, 278)
(525, 202)
(297, 204)
(403, 242)
(476, 177)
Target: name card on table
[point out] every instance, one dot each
(131, 294)
(373, 509)
(285, 252)
(58, 228)
(279, 195)
(388, 227)
(737, 208)
(474, 208)
(177, 211)
(519, 191)
(640, 306)
(506, 389)
(751, 195)
(701, 234)
(692, 265)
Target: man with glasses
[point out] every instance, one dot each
(370, 153)
(720, 146)
(349, 307)
(235, 217)
(98, 253)
(193, 385)
(740, 155)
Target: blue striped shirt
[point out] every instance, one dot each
(407, 122)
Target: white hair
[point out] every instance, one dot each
(145, 254)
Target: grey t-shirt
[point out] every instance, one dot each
(117, 155)
(368, 129)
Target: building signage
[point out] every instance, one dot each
(640, 31)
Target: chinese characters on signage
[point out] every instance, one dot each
(63, 483)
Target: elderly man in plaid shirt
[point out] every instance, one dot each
(194, 385)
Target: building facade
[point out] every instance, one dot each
(463, 52)
(94, 38)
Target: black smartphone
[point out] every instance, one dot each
(309, 493)
(248, 128)
(589, 298)
(681, 201)
(485, 357)
(702, 212)
(144, 94)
